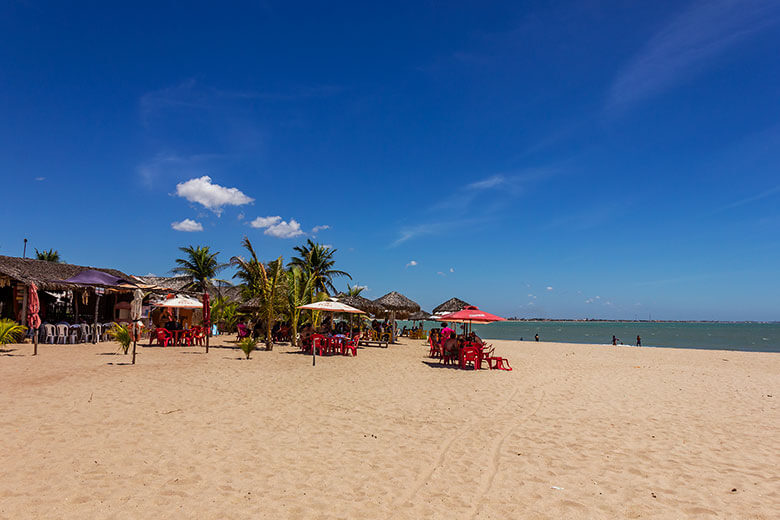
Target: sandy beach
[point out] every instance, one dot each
(575, 431)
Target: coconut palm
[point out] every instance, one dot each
(262, 283)
(52, 255)
(298, 293)
(122, 335)
(354, 290)
(200, 265)
(317, 260)
(11, 332)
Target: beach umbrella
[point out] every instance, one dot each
(207, 318)
(470, 314)
(395, 302)
(451, 305)
(179, 302)
(328, 306)
(33, 319)
(359, 302)
(136, 309)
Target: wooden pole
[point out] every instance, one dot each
(35, 342)
(134, 341)
(208, 333)
(97, 302)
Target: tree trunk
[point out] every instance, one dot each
(269, 341)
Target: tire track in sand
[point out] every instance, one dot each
(498, 444)
(442, 454)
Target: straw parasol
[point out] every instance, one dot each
(358, 302)
(420, 316)
(451, 305)
(395, 302)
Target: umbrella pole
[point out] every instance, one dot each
(134, 341)
(35, 342)
(208, 333)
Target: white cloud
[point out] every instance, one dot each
(276, 227)
(241, 216)
(687, 44)
(440, 273)
(264, 222)
(490, 182)
(285, 229)
(452, 269)
(211, 196)
(317, 229)
(39, 179)
(531, 296)
(549, 288)
(412, 263)
(187, 225)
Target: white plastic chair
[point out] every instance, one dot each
(86, 333)
(73, 334)
(62, 333)
(97, 332)
(106, 328)
(50, 333)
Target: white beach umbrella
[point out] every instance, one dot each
(179, 302)
(330, 306)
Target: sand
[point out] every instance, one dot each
(575, 431)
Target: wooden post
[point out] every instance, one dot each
(97, 302)
(134, 341)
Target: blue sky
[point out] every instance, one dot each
(582, 159)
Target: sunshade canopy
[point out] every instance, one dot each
(470, 314)
(179, 302)
(331, 306)
(94, 277)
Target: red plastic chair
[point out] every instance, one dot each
(319, 343)
(470, 355)
(163, 337)
(499, 363)
(351, 345)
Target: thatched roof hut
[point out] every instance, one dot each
(397, 302)
(419, 316)
(49, 275)
(358, 302)
(451, 305)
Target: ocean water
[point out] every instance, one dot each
(758, 337)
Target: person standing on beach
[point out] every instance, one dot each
(614, 340)
(638, 341)
(536, 337)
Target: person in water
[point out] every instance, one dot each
(638, 341)
(536, 337)
(615, 340)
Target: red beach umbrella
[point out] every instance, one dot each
(33, 308)
(470, 314)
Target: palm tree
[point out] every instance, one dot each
(354, 290)
(52, 255)
(261, 282)
(11, 332)
(200, 265)
(317, 261)
(298, 293)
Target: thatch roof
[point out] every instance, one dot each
(165, 283)
(358, 302)
(397, 302)
(451, 305)
(419, 315)
(49, 275)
